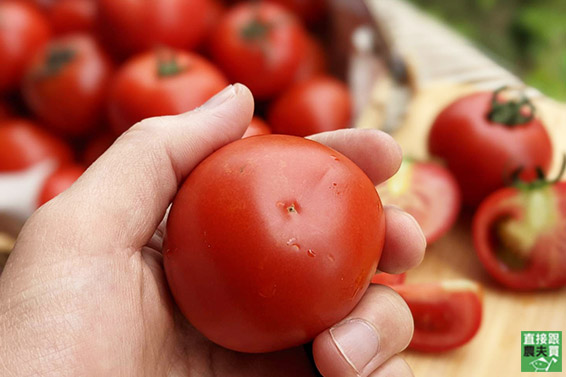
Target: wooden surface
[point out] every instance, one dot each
(495, 351)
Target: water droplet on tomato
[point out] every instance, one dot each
(311, 253)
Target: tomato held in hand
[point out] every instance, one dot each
(67, 83)
(24, 144)
(309, 107)
(23, 30)
(447, 315)
(135, 26)
(428, 192)
(484, 137)
(161, 82)
(384, 278)
(71, 16)
(257, 127)
(60, 180)
(271, 240)
(260, 45)
(520, 235)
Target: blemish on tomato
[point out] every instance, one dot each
(292, 242)
(311, 253)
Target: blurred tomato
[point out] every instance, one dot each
(257, 127)
(260, 45)
(161, 82)
(5, 110)
(23, 30)
(309, 10)
(384, 278)
(96, 147)
(68, 16)
(134, 26)
(312, 106)
(313, 62)
(60, 180)
(66, 84)
(24, 144)
(428, 192)
(484, 138)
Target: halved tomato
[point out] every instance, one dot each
(384, 278)
(447, 315)
(427, 191)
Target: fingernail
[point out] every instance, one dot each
(220, 97)
(357, 341)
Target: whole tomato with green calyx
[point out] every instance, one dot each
(428, 192)
(23, 30)
(319, 104)
(136, 26)
(161, 82)
(520, 234)
(483, 137)
(66, 84)
(58, 181)
(261, 45)
(24, 144)
(271, 240)
(447, 315)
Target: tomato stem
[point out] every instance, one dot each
(167, 64)
(57, 58)
(255, 29)
(510, 112)
(541, 180)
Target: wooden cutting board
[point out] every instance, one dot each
(496, 349)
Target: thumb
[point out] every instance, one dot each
(123, 196)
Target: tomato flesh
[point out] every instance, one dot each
(447, 315)
(271, 240)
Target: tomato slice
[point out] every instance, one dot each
(447, 315)
(388, 279)
(427, 191)
(520, 236)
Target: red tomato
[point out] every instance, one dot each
(23, 30)
(68, 16)
(314, 61)
(66, 84)
(316, 105)
(257, 127)
(260, 45)
(388, 279)
(484, 138)
(447, 315)
(24, 144)
(256, 257)
(96, 147)
(161, 82)
(520, 236)
(428, 192)
(60, 180)
(309, 10)
(135, 26)
(5, 110)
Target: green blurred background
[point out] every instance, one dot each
(526, 36)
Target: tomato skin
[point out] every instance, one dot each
(447, 315)
(255, 254)
(138, 91)
(310, 11)
(24, 144)
(545, 260)
(69, 98)
(312, 106)
(428, 192)
(70, 16)
(5, 110)
(60, 180)
(480, 153)
(23, 30)
(257, 127)
(266, 63)
(388, 279)
(313, 62)
(135, 26)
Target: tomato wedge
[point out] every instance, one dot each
(388, 279)
(427, 191)
(447, 315)
(520, 236)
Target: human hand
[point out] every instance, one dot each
(84, 293)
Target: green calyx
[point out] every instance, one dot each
(167, 64)
(57, 58)
(541, 180)
(512, 112)
(255, 30)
